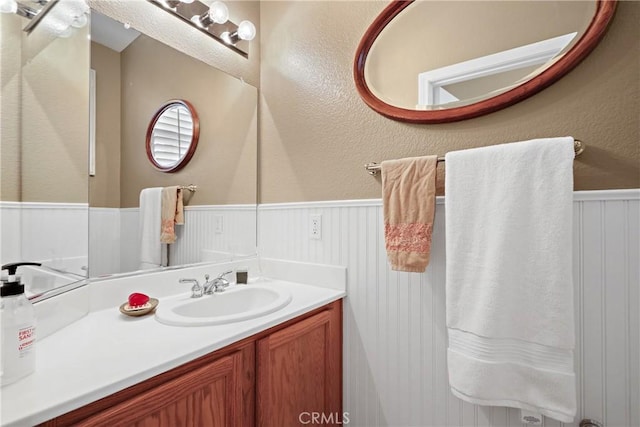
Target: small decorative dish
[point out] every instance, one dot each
(139, 310)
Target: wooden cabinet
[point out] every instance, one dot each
(216, 390)
(300, 372)
(290, 369)
(207, 396)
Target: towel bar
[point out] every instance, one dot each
(373, 168)
(191, 187)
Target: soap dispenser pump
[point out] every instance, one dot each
(18, 329)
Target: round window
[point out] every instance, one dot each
(172, 136)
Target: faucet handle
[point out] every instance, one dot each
(196, 289)
(220, 282)
(221, 276)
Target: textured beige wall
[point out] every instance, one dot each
(160, 25)
(104, 187)
(55, 108)
(441, 33)
(224, 164)
(316, 133)
(10, 82)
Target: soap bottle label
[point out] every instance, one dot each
(26, 339)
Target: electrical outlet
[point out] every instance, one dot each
(219, 224)
(315, 226)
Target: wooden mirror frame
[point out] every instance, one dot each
(194, 137)
(594, 33)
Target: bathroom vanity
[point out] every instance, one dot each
(268, 379)
(110, 369)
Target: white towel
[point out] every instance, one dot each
(152, 253)
(509, 290)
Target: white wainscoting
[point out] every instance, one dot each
(395, 336)
(237, 236)
(10, 232)
(129, 240)
(104, 241)
(44, 231)
(115, 247)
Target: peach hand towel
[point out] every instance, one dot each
(172, 213)
(408, 198)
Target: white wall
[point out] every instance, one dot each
(115, 248)
(104, 241)
(10, 232)
(395, 335)
(53, 232)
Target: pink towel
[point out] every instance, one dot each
(408, 197)
(172, 213)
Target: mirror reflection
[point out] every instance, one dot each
(499, 45)
(134, 76)
(67, 103)
(43, 199)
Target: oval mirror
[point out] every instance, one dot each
(172, 135)
(444, 61)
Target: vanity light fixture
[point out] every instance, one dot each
(59, 16)
(218, 13)
(8, 6)
(169, 4)
(12, 6)
(212, 20)
(246, 31)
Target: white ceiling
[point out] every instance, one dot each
(110, 33)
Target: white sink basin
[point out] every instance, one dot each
(235, 304)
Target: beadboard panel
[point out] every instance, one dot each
(115, 246)
(51, 232)
(129, 240)
(395, 338)
(237, 235)
(10, 237)
(104, 241)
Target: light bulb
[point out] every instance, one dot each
(187, 1)
(196, 19)
(246, 30)
(226, 37)
(8, 6)
(72, 7)
(219, 12)
(169, 4)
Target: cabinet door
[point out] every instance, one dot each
(208, 396)
(299, 372)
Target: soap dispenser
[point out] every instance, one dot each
(18, 329)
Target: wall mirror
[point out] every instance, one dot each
(172, 135)
(138, 81)
(44, 193)
(443, 61)
(53, 212)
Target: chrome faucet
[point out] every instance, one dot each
(196, 289)
(216, 285)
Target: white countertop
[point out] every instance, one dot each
(105, 352)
